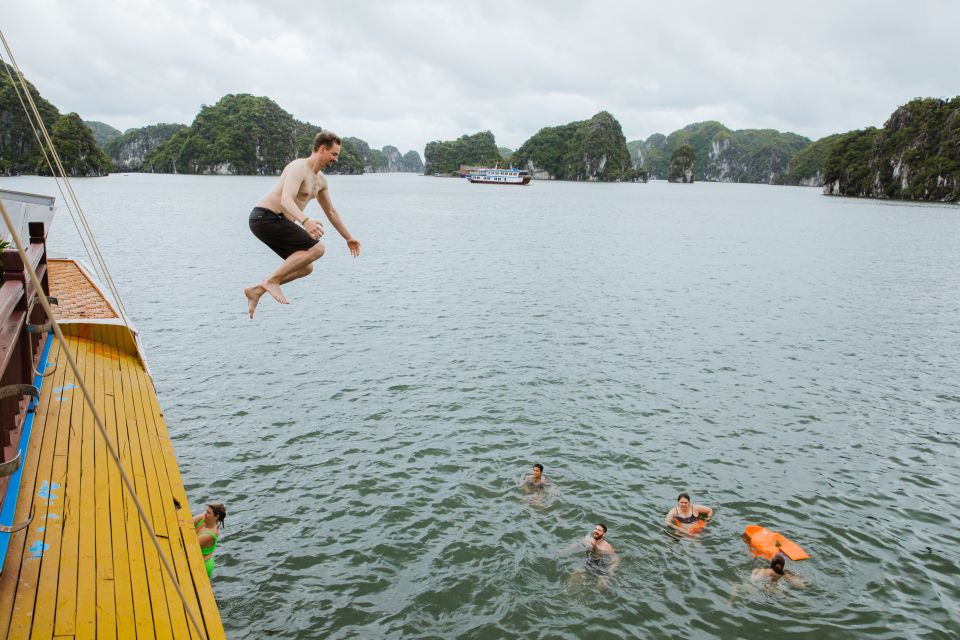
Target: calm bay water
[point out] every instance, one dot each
(792, 360)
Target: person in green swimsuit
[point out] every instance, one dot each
(208, 531)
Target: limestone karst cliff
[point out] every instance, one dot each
(682, 165)
(915, 156)
(722, 155)
(588, 150)
(128, 150)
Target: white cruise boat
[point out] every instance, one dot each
(500, 176)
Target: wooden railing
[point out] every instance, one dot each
(22, 333)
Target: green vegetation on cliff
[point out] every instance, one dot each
(19, 151)
(806, 167)
(722, 155)
(916, 156)
(373, 160)
(593, 149)
(411, 162)
(446, 156)
(79, 153)
(129, 149)
(348, 164)
(102, 132)
(848, 162)
(241, 134)
(682, 162)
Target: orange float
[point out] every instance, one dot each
(696, 527)
(767, 543)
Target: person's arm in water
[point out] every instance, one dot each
(794, 579)
(550, 486)
(701, 510)
(323, 197)
(579, 545)
(671, 519)
(614, 561)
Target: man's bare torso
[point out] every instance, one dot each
(310, 185)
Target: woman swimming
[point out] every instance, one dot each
(208, 531)
(686, 515)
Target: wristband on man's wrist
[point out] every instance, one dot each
(305, 221)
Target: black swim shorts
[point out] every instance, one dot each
(278, 233)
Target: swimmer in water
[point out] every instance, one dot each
(208, 526)
(535, 481)
(535, 486)
(601, 561)
(685, 516)
(766, 578)
(776, 572)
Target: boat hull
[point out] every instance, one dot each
(525, 180)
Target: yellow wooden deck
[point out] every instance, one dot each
(85, 567)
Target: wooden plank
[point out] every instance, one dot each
(37, 464)
(197, 579)
(86, 598)
(174, 544)
(123, 594)
(65, 620)
(100, 575)
(41, 606)
(150, 499)
(106, 611)
(129, 456)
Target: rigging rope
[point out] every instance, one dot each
(97, 256)
(45, 303)
(46, 158)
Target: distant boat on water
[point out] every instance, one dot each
(499, 176)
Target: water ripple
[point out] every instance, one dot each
(791, 360)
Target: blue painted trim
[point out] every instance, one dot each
(13, 489)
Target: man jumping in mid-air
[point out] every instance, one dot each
(279, 222)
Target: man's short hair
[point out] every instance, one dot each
(538, 466)
(600, 524)
(326, 139)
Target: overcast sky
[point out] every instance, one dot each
(406, 73)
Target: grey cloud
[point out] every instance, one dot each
(406, 73)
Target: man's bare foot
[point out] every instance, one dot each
(253, 297)
(274, 290)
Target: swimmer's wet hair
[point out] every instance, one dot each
(219, 510)
(539, 466)
(683, 495)
(600, 524)
(777, 564)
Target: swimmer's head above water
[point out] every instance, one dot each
(777, 564)
(599, 531)
(218, 511)
(536, 471)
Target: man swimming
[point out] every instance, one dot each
(535, 481)
(601, 561)
(279, 221)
